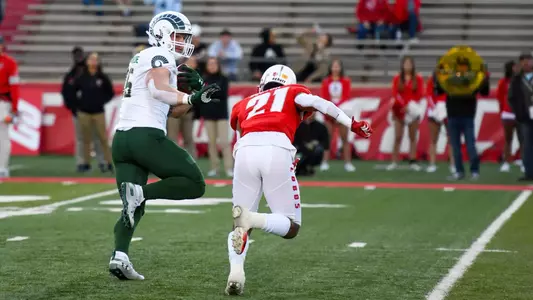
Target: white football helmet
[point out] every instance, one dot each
(162, 28)
(277, 73)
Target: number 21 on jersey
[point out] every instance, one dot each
(259, 102)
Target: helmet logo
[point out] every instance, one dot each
(275, 74)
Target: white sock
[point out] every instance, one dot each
(234, 258)
(274, 223)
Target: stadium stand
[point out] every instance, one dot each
(498, 30)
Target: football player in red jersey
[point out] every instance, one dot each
(264, 161)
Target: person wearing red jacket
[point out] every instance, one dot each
(336, 88)
(407, 91)
(507, 115)
(9, 96)
(372, 16)
(405, 16)
(436, 120)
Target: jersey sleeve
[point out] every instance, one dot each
(234, 119)
(296, 90)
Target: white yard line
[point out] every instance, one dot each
(441, 290)
(49, 208)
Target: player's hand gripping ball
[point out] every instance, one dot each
(189, 81)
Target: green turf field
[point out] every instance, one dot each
(408, 240)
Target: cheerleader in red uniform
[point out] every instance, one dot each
(336, 88)
(407, 91)
(436, 120)
(507, 115)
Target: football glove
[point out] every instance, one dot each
(361, 128)
(204, 94)
(189, 77)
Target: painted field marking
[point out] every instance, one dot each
(322, 205)
(486, 250)
(220, 184)
(337, 184)
(69, 182)
(118, 209)
(370, 187)
(448, 189)
(49, 208)
(136, 239)
(357, 245)
(441, 290)
(16, 167)
(22, 198)
(166, 202)
(17, 238)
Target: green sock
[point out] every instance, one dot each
(174, 188)
(123, 234)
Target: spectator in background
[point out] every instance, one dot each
(436, 119)
(159, 7)
(125, 6)
(316, 44)
(405, 16)
(9, 97)
(228, 52)
(336, 88)
(215, 115)
(97, 3)
(68, 91)
(461, 111)
(2, 10)
(508, 117)
(94, 90)
(521, 102)
(372, 16)
(310, 140)
(407, 91)
(266, 54)
(184, 124)
(200, 49)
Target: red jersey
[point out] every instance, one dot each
(9, 81)
(271, 110)
(501, 94)
(430, 95)
(336, 91)
(403, 96)
(372, 10)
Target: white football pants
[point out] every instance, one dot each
(5, 143)
(268, 170)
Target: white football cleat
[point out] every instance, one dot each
(349, 167)
(241, 217)
(505, 167)
(121, 267)
(131, 195)
(239, 239)
(236, 281)
(431, 169)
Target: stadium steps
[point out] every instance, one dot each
(498, 30)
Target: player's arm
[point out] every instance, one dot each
(306, 101)
(158, 83)
(14, 86)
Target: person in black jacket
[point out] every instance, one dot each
(215, 115)
(266, 54)
(461, 111)
(520, 98)
(70, 101)
(93, 89)
(310, 140)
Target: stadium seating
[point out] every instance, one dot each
(498, 30)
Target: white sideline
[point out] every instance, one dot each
(441, 290)
(49, 208)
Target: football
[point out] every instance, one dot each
(183, 86)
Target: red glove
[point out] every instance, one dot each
(361, 128)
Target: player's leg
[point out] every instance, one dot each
(283, 196)
(180, 176)
(120, 265)
(99, 128)
(211, 128)
(86, 137)
(247, 192)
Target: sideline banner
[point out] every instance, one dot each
(44, 101)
